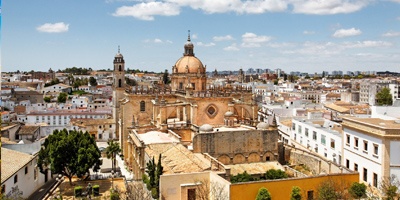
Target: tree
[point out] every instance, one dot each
(92, 81)
(112, 150)
(62, 97)
(153, 182)
(47, 99)
(358, 190)
(384, 97)
(130, 82)
(296, 193)
(243, 177)
(332, 190)
(389, 186)
(166, 78)
(69, 153)
(275, 174)
(206, 190)
(263, 194)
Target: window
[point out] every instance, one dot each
(142, 106)
(294, 126)
(365, 174)
(355, 167)
(347, 163)
(332, 143)
(306, 132)
(310, 195)
(323, 139)
(375, 181)
(314, 135)
(356, 143)
(26, 170)
(3, 189)
(191, 194)
(100, 136)
(110, 126)
(16, 178)
(180, 85)
(365, 145)
(348, 139)
(375, 149)
(35, 171)
(299, 129)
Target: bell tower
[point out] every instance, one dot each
(119, 71)
(118, 89)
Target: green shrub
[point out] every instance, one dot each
(96, 190)
(275, 174)
(78, 191)
(114, 195)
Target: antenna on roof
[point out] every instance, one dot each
(118, 48)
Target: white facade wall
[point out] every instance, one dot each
(395, 158)
(28, 182)
(80, 102)
(364, 157)
(325, 142)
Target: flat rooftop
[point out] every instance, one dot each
(255, 168)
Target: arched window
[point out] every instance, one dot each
(120, 68)
(119, 83)
(142, 106)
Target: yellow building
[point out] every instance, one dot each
(281, 189)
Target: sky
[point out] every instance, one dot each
(293, 35)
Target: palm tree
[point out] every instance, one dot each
(111, 151)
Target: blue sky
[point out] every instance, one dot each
(294, 35)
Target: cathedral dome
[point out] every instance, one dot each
(262, 125)
(189, 64)
(206, 127)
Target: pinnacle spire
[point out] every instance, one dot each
(118, 49)
(188, 36)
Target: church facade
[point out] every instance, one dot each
(183, 106)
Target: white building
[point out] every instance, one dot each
(80, 101)
(19, 173)
(372, 146)
(57, 88)
(319, 135)
(51, 120)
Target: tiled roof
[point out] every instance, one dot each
(175, 158)
(28, 130)
(11, 162)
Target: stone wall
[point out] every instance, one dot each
(243, 146)
(316, 164)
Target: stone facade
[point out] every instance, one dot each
(238, 146)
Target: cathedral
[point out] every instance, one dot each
(183, 106)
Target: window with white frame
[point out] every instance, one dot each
(323, 139)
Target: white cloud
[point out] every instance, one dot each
(238, 6)
(232, 47)
(253, 40)
(194, 36)
(206, 44)
(53, 28)
(346, 32)
(391, 34)
(308, 32)
(147, 11)
(223, 38)
(366, 44)
(157, 41)
(397, 1)
(327, 7)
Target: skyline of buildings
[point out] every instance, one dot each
(312, 36)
